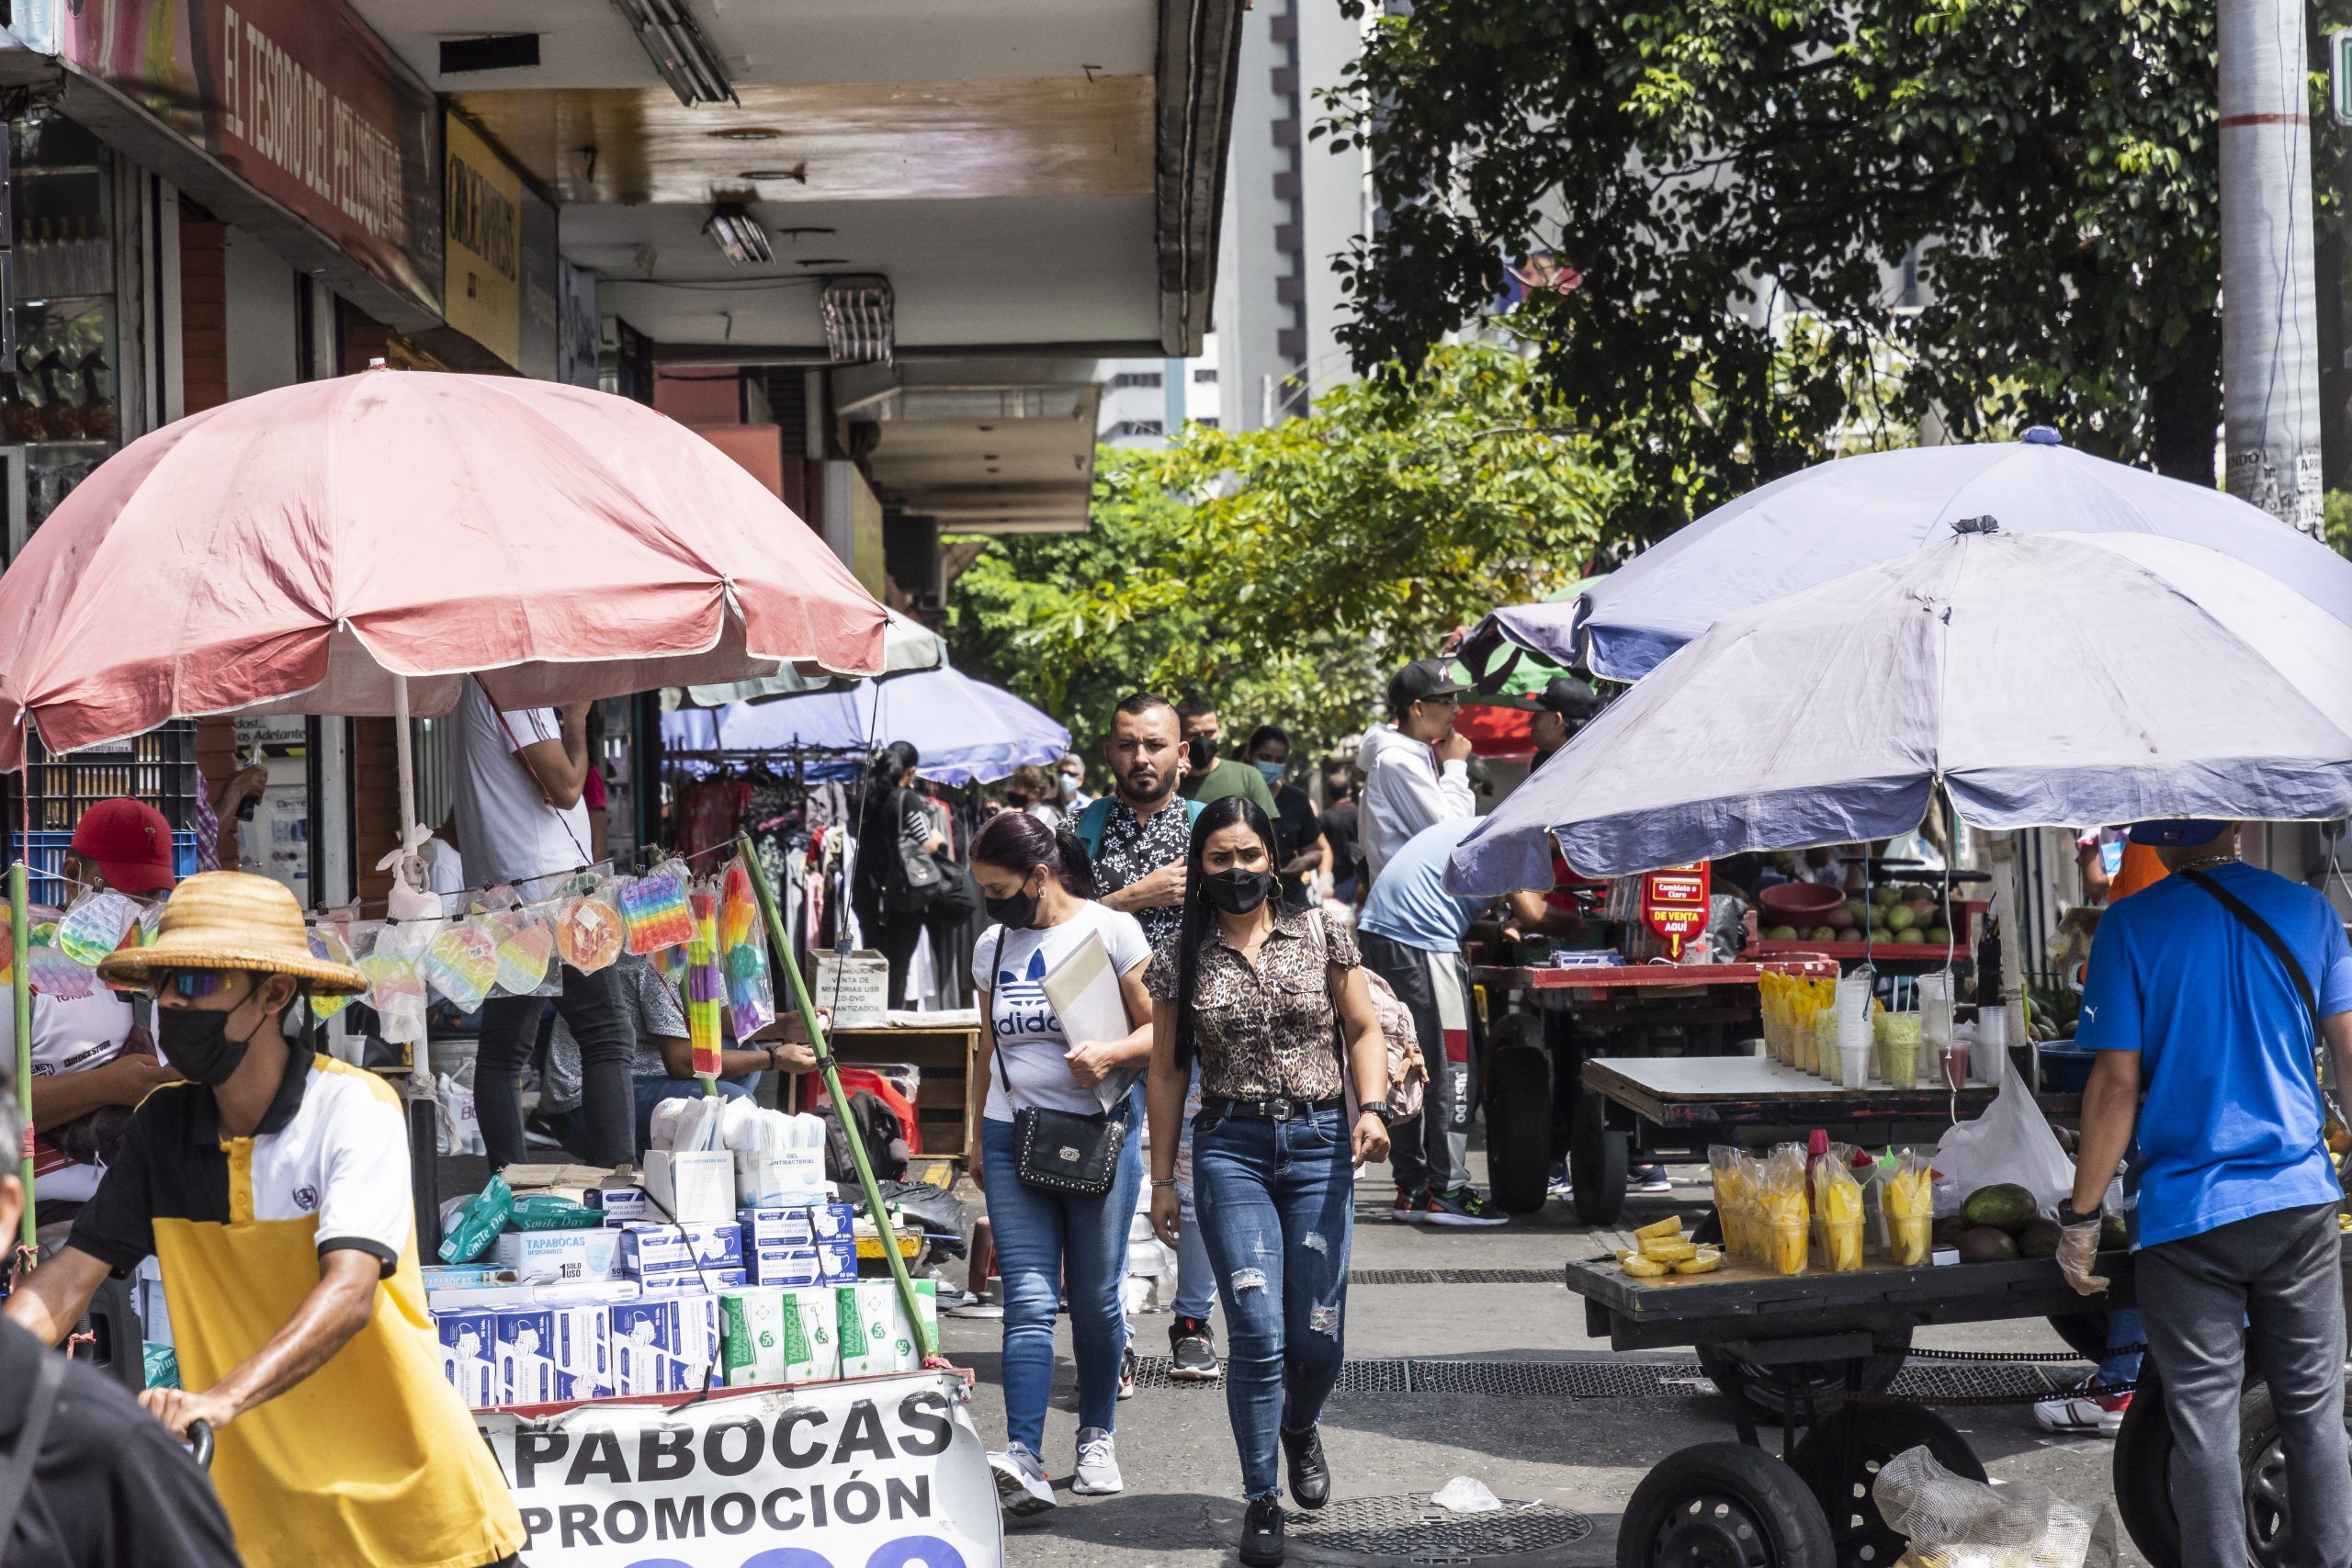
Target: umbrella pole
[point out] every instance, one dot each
(20, 951)
(790, 969)
(403, 748)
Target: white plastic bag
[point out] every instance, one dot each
(460, 1128)
(1952, 1522)
(2009, 1143)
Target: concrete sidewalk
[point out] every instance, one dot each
(1584, 1449)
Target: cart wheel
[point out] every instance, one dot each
(1596, 1163)
(1765, 1388)
(2085, 1333)
(1518, 1119)
(2143, 1470)
(1723, 1505)
(1841, 1457)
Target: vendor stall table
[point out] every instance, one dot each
(1544, 1022)
(1655, 1107)
(947, 1103)
(1813, 1349)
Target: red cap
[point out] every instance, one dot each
(129, 843)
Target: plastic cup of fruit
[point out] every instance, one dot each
(1789, 1246)
(1842, 1245)
(1854, 1065)
(1955, 1067)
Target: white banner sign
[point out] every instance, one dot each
(884, 1473)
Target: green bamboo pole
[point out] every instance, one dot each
(789, 967)
(20, 951)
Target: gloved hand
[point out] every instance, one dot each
(2078, 1249)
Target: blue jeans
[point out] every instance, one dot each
(1277, 1202)
(1195, 1277)
(1046, 1243)
(2123, 1327)
(651, 1091)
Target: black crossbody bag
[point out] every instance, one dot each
(2268, 936)
(1064, 1151)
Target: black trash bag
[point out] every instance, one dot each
(877, 1128)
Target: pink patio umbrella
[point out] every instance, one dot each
(358, 546)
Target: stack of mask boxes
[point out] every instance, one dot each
(637, 1307)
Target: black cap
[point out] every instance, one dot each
(1568, 698)
(1419, 681)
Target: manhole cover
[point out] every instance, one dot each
(1411, 1530)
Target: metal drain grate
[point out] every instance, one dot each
(1453, 1277)
(1609, 1378)
(1411, 1530)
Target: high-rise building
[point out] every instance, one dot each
(1146, 401)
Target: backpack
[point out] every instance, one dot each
(1396, 1020)
(1097, 816)
(878, 1128)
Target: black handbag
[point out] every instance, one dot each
(1064, 1151)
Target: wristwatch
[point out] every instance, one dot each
(1374, 1107)
(2067, 1216)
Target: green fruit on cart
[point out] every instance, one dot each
(1900, 918)
(1886, 897)
(1915, 935)
(1782, 933)
(1880, 935)
(1824, 933)
(1940, 935)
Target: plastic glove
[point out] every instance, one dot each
(2078, 1249)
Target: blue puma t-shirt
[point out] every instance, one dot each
(1012, 966)
(2230, 1127)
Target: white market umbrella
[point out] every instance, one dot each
(1850, 513)
(908, 647)
(2046, 680)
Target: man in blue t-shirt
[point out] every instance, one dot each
(2190, 1000)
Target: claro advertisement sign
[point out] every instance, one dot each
(298, 98)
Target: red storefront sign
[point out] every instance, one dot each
(298, 98)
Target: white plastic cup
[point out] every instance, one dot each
(1935, 1010)
(1854, 1064)
(1991, 1051)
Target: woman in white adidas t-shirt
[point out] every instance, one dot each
(1040, 890)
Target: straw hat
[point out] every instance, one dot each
(232, 919)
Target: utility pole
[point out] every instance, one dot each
(2269, 331)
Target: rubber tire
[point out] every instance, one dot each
(1519, 1124)
(1597, 1158)
(1794, 1531)
(1760, 1387)
(2085, 1333)
(1863, 1538)
(2144, 1459)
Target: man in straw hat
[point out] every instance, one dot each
(273, 1187)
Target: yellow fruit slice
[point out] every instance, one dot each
(1643, 1268)
(1707, 1262)
(1662, 1249)
(1669, 1227)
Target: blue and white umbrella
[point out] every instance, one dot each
(967, 731)
(2045, 680)
(1851, 513)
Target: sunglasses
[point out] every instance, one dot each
(193, 984)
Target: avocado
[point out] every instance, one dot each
(1947, 1229)
(1910, 934)
(1880, 935)
(1884, 893)
(2039, 1239)
(2006, 1207)
(1782, 933)
(1940, 935)
(1982, 1243)
(2114, 1235)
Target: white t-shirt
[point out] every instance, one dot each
(1029, 1039)
(69, 1036)
(509, 830)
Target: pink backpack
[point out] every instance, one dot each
(1407, 1071)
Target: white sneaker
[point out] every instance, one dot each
(1021, 1488)
(2085, 1408)
(1097, 1464)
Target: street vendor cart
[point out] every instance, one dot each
(1825, 1344)
(1545, 1022)
(1656, 1108)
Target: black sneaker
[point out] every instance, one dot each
(1192, 1351)
(1464, 1208)
(1127, 1371)
(1310, 1478)
(1261, 1533)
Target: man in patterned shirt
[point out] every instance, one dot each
(1137, 837)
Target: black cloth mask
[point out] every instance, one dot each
(1018, 913)
(200, 1045)
(1201, 750)
(1237, 892)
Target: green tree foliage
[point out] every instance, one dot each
(1287, 570)
(1698, 164)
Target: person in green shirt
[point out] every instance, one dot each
(1206, 777)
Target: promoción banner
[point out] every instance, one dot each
(881, 1472)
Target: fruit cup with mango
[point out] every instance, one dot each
(1783, 1211)
(1837, 1205)
(1909, 1203)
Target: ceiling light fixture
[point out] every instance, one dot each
(737, 233)
(678, 50)
(860, 328)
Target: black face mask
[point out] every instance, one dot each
(1201, 750)
(1237, 892)
(198, 1043)
(1017, 913)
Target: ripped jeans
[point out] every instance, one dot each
(1276, 1200)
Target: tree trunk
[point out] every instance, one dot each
(2185, 407)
